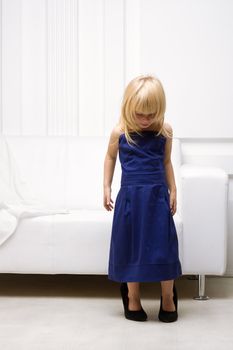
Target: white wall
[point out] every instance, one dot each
(189, 44)
(65, 63)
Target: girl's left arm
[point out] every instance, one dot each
(169, 170)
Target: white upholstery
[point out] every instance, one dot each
(67, 172)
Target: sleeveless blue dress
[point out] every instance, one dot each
(144, 244)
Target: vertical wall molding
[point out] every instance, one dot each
(113, 62)
(132, 37)
(91, 70)
(62, 58)
(65, 64)
(11, 67)
(1, 68)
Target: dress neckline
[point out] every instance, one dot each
(145, 132)
(134, 132)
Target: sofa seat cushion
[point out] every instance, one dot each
(77, 242)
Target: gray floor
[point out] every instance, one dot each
(85, 312)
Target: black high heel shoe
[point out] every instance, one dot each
(137, 315)
(169, 316)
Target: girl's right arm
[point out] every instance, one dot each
(109, 166)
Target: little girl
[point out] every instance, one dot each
(144, 245)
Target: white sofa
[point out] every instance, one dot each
(67, 172)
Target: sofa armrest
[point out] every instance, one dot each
(203, 208)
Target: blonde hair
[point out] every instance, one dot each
(144, 94)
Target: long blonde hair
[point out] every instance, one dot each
(144, 94)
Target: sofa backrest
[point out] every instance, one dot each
(67, 171)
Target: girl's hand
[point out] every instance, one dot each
(107, 199)
(173, 202)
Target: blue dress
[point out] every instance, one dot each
(144, 244)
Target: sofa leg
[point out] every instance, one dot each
(201, 289)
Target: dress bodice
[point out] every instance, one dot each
(145, 157)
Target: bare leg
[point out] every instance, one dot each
(167, 294)
(134, 296)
